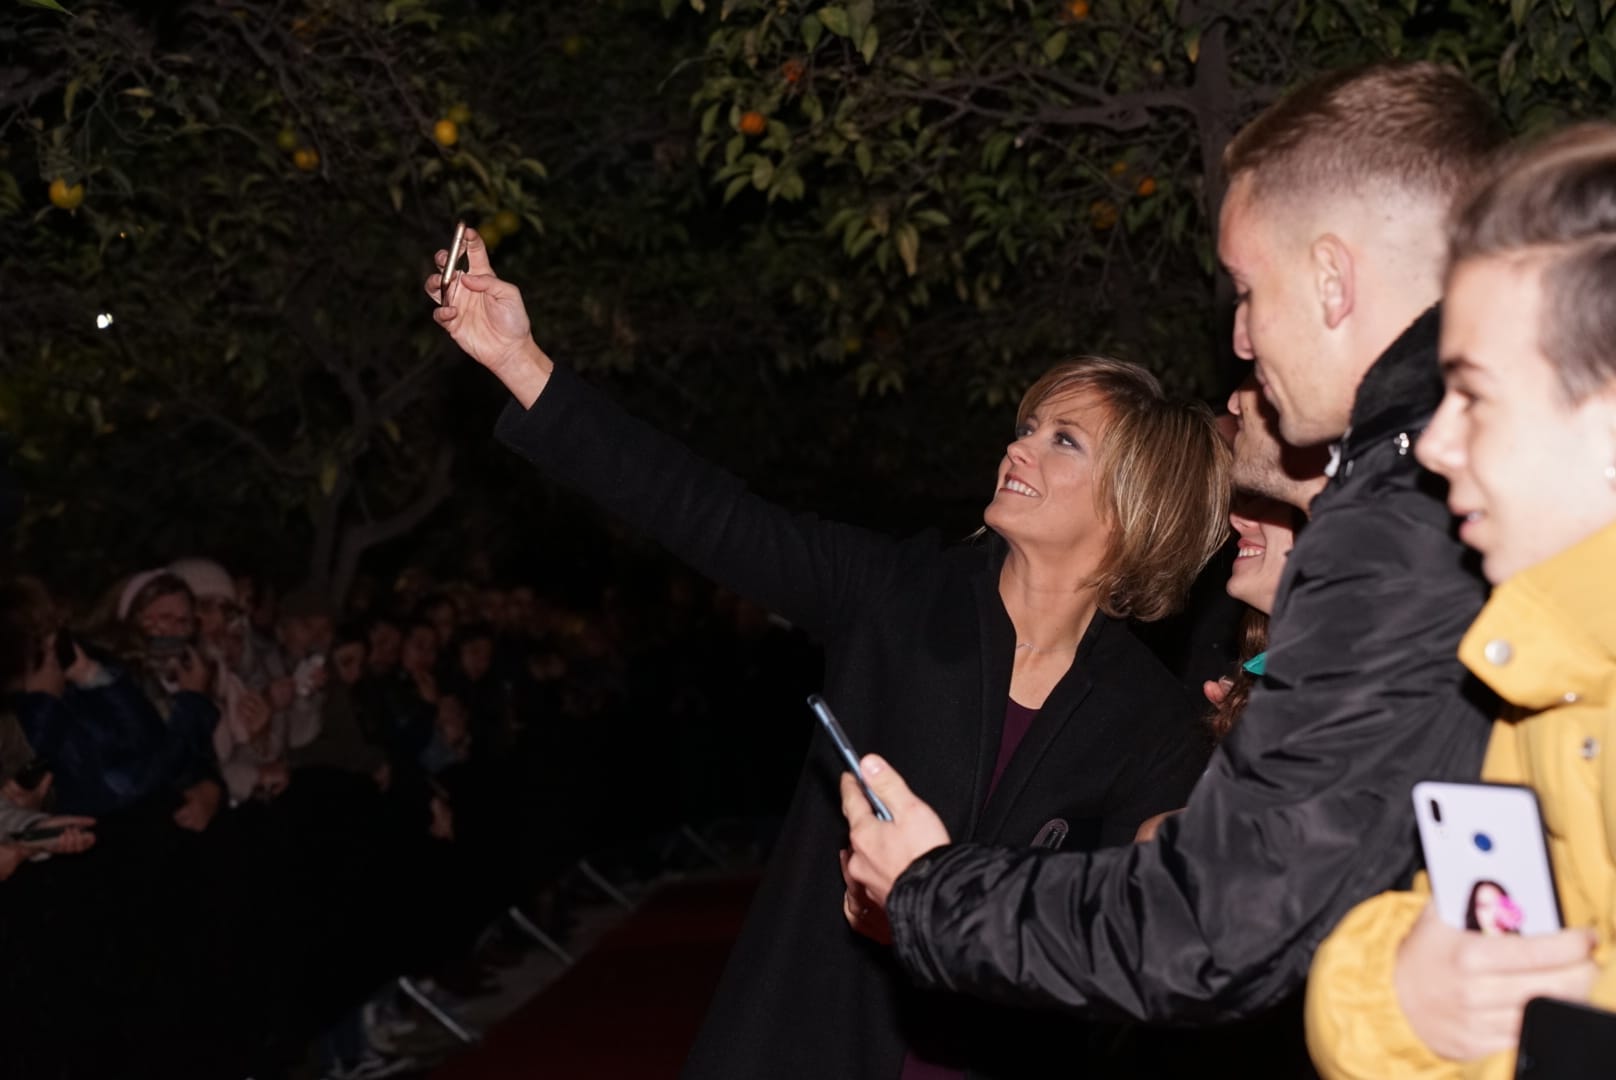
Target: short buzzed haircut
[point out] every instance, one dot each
(1419, 127)
(1555, 202)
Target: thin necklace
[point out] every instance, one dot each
(1030, 647)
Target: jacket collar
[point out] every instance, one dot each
(1401, 391)
(1548, 635)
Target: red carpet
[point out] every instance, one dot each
(631, 1006)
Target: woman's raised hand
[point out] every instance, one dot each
(486, 317)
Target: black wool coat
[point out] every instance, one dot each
(918, 657)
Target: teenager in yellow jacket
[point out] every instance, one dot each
(1526, 437)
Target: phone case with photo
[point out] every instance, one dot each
(1487, 857)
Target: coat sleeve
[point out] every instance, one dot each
(812, 572)
(1303, 812)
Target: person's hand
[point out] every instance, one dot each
(75, 839)
(194, 673)
(282, 692)
(11, 857)
(254, 714)
(426, 685)
(1216, 690)
(882, 850)
(1463, 992)
(1147, 830)
(442, 824)
(28, 799)
(273, 778)
(83, 670)
(202, 801)
(48, 677)
(486, 317)
(862, 913)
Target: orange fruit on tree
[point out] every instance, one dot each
(446, 132)
(489, 231)
(1077, 10)
(1119, 167)
(65, 197)
(792, 71)
(286, 139)
(1102, 213)
(753, 123)
(506, 222)
(1147, 187)
(306, 158)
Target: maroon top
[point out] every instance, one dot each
(1017, 720)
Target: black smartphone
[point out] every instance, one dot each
(827, 720)
(39, 834)
(1563, 1041)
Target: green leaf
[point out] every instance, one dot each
(762, 173)
(859, 14)
(1192, 43)
(908, 240)
(812, 30)
(48, 5)
(861, 155)
(1055, 45)
(872, 40)
(834, 20)
(669, 7)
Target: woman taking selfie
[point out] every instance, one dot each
(1526, 438)
(1001, 672)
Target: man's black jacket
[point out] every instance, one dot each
(1305, 809)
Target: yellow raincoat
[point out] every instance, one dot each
(1546, 642)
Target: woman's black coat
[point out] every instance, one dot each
(918, 656)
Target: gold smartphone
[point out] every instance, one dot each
(451, 268)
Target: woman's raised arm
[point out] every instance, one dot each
(486, 318)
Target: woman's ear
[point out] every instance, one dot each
(1333, 279)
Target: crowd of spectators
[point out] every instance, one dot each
(230, 818)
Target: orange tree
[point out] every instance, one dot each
(214, 219)
(997, 183)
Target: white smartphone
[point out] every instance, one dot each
(1487, 857)
(451, 268)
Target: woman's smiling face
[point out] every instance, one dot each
(1045, 496)
(1267, 532)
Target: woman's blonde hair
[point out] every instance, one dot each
(1161, 483)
